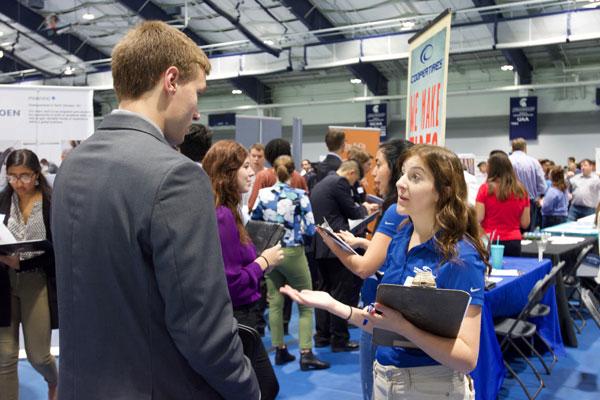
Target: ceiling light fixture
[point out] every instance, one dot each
(236, 91)
(408, 25)
(268, 42)
(6, 44)
(88, 16)
(355, 81)
(1, 33)
(1, 54)
(69, 70)
(507, 67)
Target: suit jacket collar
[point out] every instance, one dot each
(334, 155)
(131, 121)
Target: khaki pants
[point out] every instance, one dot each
(29, 307)
(433, 382)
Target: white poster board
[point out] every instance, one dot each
(427, 81)
(44, 118)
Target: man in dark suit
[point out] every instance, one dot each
(144, 307)
(335, 140)
(331, 199)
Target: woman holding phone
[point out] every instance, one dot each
(442, 233)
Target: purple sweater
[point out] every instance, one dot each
(243, 274)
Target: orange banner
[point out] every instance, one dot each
(368, 139)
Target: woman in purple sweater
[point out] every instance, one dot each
(228, 165)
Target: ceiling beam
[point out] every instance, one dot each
(33, 21)
(313, 19)
(515, 57)
(251, 86)
(245, 31)
(150, 11)
(9, 64)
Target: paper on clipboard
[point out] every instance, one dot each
(335, 237)
(5, 235)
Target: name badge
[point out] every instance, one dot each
(360, 190)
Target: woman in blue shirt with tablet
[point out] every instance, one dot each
(388, 163)
(441, 233)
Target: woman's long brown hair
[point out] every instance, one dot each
(502, 180)
(454, 216)
(222, 163)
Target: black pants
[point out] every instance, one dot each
(343, 286)
(512, 248)
(535, 216)
(551, 220)
(248, 315)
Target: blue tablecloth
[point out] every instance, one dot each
(573, 228)
(507, 299)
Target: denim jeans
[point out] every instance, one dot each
(576, 212)
(432, 382)
(367, 357)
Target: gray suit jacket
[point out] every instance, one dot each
(144, 306)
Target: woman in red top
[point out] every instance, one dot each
(502, 205)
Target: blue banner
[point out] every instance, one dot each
(226, 119)
(523, 117)
(376, 117)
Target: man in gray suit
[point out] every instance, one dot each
(144, 306)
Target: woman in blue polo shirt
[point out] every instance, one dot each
(388, 163)
(441, 233)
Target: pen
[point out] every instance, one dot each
(370, 309)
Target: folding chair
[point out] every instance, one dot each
(255, 351)
(541, 310)
(511, 329)
(591, 303)
(573, 285)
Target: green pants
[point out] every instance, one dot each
(29, 302)
(293, 271)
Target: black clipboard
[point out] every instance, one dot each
(264, 234)
(358, 225)
(325, 228)
(24, 247)
(438, 311)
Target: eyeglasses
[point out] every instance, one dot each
(25, 178)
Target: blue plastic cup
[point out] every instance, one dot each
(497, 254)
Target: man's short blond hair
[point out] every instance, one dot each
(258, 147)
(145, 53)
(519, 144)
(349, 166)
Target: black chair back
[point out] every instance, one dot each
(591, 303)
(250, 340)
(535, 296)
(547, 281)
(572, 270)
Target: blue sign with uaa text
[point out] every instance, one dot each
(523, 117)
(377, 117)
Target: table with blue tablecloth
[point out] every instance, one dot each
(507, 299)
(574, 228)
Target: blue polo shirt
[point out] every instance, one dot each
(465, 273)
(388, 225)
